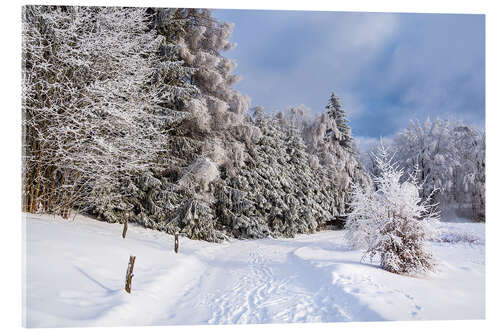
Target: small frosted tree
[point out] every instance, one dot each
(393, 220)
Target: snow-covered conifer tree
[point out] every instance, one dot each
(339, 129)
(174, 75)
(200, 47)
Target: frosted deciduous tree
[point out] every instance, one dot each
(470, 177)
(392, 222)
(451, 157)
(91, 115)
(127, 102)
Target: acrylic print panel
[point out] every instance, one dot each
(337, 174)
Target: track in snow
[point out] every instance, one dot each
(75, 274)
(271, 284)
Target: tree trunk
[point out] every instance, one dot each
(38, 181)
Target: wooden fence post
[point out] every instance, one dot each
(176, 244)
(128, 277)
(125, 226)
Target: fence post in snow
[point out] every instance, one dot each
(176, 243)
(128, 277)
(125, 226)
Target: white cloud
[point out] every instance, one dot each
(394, 66)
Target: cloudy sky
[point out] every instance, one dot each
(387, 68)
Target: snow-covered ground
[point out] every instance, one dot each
(75, 273)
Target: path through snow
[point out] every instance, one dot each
(75, 275)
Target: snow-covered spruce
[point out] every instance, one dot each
(278, 191)
(340, 130)
(267, 186)
(392, 221)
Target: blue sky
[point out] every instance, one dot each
(387, 68)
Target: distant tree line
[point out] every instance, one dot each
(450, 157)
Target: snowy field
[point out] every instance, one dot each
(75, 274)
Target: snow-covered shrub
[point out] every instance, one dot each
(456, 237)
(392, 221)
(444, 232)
